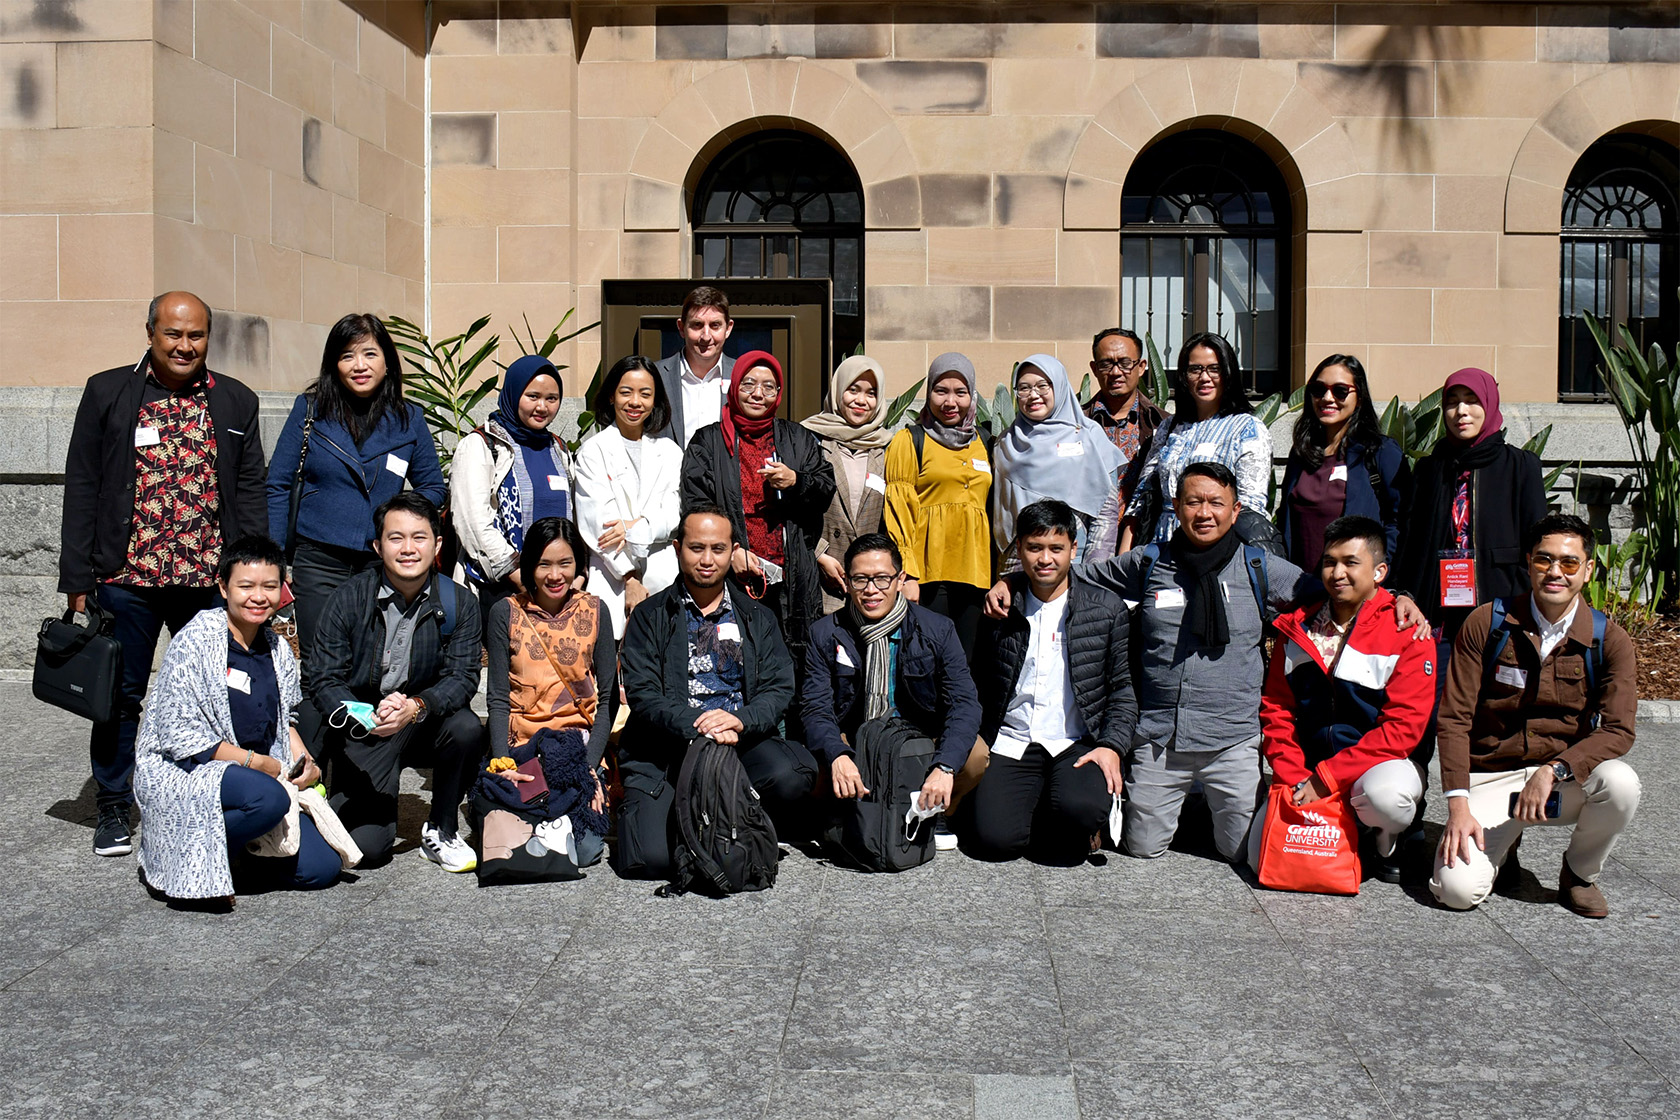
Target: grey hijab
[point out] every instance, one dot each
(954, 436)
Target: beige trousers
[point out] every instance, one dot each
(1599, 808)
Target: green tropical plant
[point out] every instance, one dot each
(1158, 388)
(587, 421)
(1614, 590)
(901, 403)
(992, 418)
(1646, 389)
(444, 378)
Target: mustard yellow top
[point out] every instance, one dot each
(937, 516)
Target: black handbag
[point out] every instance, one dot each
(79, 668)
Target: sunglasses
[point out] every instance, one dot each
(1568, 565)
(1319, 389)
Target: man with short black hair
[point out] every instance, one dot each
(1127, 415)
(1058, 703)
(1538, 710)
(1348, 696)
(403, 641)
(698, 660)
(697, 376)
(882, 654)
(165, 464)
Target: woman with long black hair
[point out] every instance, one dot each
(1340, 464)
(350, 443)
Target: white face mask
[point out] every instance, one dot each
(915, 815)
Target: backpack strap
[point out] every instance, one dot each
(698, 863)
(446, 600)
(1595, 654)
(918, 436)
(1499, 637)
(1379, 488)
(1259, 582)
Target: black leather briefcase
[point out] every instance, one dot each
(79, 668)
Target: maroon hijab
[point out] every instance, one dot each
(1481, 383)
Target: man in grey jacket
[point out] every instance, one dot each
(697, 376)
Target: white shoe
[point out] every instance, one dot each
(944, 840)
(449, 852)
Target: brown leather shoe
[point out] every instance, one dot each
(1584, 899)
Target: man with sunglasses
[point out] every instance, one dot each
(1127, 416)
(1538, 711)
(882, 654)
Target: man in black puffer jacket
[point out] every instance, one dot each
(1059, 709)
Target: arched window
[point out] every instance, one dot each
(1620, 238)
(1205, 247)
(782, 204)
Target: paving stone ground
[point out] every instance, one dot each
(1163, 989)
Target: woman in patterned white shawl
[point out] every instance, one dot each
(217, 741)
(1212, 422)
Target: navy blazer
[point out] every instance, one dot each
(934, 689)
(1362, 499)
(342, 483)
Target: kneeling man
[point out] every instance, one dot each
(1538, 710)
(880, 654)
(1058, 703)
(1348, 695)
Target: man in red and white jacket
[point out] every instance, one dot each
(1348, 695)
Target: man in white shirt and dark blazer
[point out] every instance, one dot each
(697, 376)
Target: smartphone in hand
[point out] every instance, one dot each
(1554, 805)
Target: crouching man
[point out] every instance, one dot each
(1539, 708)
(1348, 695)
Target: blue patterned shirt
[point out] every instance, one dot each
(714, 656)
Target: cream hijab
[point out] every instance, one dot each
(829, 424)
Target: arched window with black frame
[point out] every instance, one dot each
(1205, 247)
(1620, 254)
(784, 204)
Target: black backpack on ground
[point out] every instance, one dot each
(893, 758)
(726, 841)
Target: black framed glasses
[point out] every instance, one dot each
(1319, 389)
(1124, 365)
(878, 582)
(1192, 373)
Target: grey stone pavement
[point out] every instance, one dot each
(1164, 989)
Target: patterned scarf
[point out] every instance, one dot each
(551, 680)
(875, 638)
(515, 497)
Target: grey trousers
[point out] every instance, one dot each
(1160, 777)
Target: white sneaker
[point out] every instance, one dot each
(449, 852)
(944, 840)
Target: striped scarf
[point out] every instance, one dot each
(875, 639)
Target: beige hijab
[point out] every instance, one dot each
(829, 424)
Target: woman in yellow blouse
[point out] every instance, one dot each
(938, 480)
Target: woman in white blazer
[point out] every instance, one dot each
(626, 483)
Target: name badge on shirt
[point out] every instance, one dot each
(556, 482)
(1511, 675)
(1338, 473)
(146, 437)
(982, 466)
(729, 632)
(1204, 452)
(239, 679)
(1069, 450)
(841, 656)
(1168, 597)
(875, 482)
(397, 465)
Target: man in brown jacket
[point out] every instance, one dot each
(1538, 710)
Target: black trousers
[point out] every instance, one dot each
(1039, 804)
(317, 571)
(365, 775)
(781, 771)
(963, 604)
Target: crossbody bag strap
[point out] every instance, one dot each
(296, 500)
(554, 661)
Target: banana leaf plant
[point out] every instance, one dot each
(444, 378)
(901, 403)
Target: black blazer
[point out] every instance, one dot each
(1099, 668)
(712, 475)
(99, 472)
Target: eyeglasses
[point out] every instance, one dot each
(1568, 565)
(878, 582)
(1194, 373)
(1319, 389)
(760, 389)
(1037, 389)
(1124, 365)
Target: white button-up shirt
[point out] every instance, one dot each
(1553, 633)
(702, 397)
(1043, 709)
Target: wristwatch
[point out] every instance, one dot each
(944, 769)
(419, 709)
(1561, 772)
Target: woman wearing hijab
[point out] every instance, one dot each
(854, 438)
(507, 475)
(939, 477)
(1053, 450)
(771, 477)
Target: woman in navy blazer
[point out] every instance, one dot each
(365, 443)
(1341, 465)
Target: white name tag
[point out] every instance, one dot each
(397, 465)
(556, 482)
(239, 679)
(147, 437)
(1511, 675)
(1338, 474)
(1203, 452)
(875, 482)
(982, 466)
(843, 657)
(1070, 450)
(729, 632)
(1169, 597)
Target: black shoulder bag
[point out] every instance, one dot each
(79, 668)
(297, 480)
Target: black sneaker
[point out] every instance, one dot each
(111, 837)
